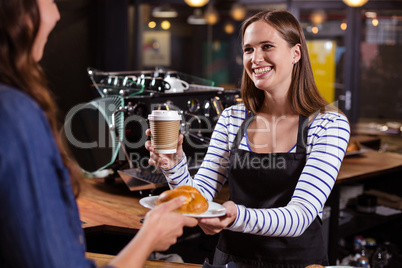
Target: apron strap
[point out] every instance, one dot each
(302, 134)
(242, 130)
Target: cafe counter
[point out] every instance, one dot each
(114, 208)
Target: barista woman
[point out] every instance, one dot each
(280, 152)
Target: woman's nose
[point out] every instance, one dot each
(257, 57)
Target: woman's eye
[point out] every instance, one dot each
(247, 50)
(266, 46)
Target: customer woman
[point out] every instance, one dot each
(280, 151)
(40, 225)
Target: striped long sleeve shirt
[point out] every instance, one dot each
(328, 136)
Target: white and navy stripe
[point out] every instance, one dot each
(327, 140)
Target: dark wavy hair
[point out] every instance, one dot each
(303, 94)
(19, 25)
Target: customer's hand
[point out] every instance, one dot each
(164, 225)
(164, 161)
(212, 226)
(161, 229)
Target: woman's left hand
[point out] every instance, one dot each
(212, 226)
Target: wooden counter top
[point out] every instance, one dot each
(368, 164)
(103, 259)
(109, 207)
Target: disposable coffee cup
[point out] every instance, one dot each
(165, 127)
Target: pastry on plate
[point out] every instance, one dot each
(194, 204)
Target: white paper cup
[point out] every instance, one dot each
(165, 127)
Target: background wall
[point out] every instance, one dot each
(90, 33)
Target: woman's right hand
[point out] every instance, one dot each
(164, 161)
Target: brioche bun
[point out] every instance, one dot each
(353, 146)
(195, 203)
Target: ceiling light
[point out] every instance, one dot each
(318, 16)
(229, 28)
(151, 24)
(164, 11)
(196, 3)
(355, 3)
(197, 18)
(238, 12)
(344, 26)
(165, 25)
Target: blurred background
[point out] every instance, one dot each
(354, 50)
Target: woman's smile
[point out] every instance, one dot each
(260, 71)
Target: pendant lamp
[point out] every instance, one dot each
(164, 11)
(196, 3)
(355, 3)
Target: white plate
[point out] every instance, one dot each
(214, 209)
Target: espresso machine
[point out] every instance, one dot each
(138, 93)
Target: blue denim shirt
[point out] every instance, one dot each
(40, 225)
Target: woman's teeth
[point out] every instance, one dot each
(262, 70)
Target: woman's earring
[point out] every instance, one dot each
(294, 62)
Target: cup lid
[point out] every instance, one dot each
(164, 115)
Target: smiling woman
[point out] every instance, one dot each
(280, 152)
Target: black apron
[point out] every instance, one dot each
(268, 181)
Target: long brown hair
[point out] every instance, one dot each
(19, 24)
(303, 94)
